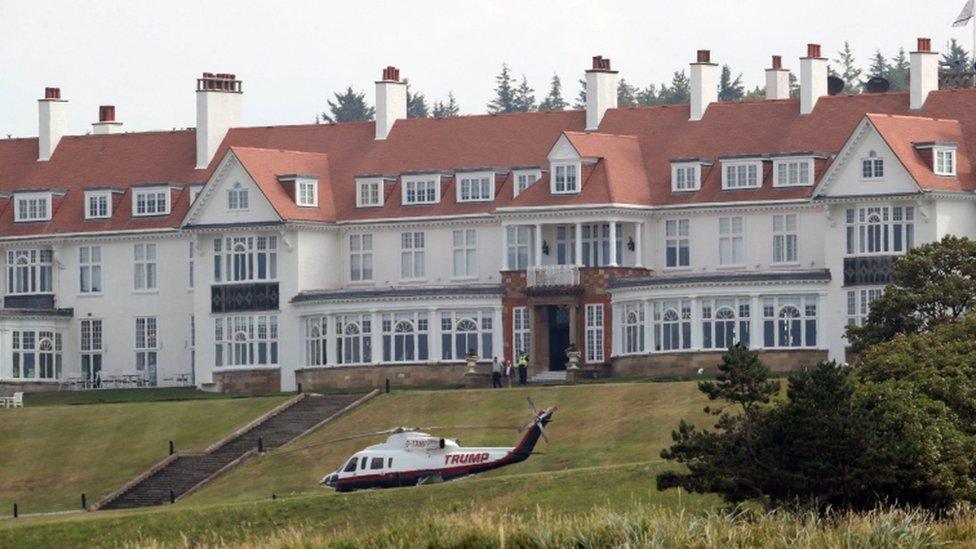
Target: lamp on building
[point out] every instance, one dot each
(545, 247)
(630, 243)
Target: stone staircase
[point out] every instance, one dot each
(180, 474)
(554, 377)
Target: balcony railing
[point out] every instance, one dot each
(552, 275)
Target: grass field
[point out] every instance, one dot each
(50, 454)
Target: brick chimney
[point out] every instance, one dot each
(813, 78)
(52, 122)
(391, 101)
(704, 84)
(106, 121)
(777, 80)
(219, 98)
(601, 91)
(924, 73)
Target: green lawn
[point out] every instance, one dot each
(594, 425)
(49, 455)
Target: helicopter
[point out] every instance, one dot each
(412, 457)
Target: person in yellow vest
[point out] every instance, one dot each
(523, 368)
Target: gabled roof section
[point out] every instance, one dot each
(901, 133)
(265, 165)
(623, 164)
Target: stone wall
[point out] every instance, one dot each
(400, 375)
(688, 363)
(8, 388)
(249, 382)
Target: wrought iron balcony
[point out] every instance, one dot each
(552, 276)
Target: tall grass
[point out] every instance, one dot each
(637, 527)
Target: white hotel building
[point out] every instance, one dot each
(256, 259)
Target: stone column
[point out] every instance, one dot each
(537, 241)
(638, 245)
(612, 261)
(434, 351)
(331, 342)
(497, 333)
(696, 323)
(574, 325)
(648, 326)
(376, 336)
(505, 265)
(756, 322)
(578, 244)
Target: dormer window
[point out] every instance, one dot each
(237, 199)
(147, 202)
(685, 176)
(369, 192)
(523, 179)
(307, 192)
(872, 167)
(425, 189)
(98, 205)
(33, 207)
(945, 161)
(742, 175)
(475, 187)
(565, 178)
(793, 172)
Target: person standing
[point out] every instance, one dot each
(523, 368)
(496, 373)
(508, 373)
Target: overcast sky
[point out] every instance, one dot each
(144, 56)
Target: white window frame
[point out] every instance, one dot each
(146, 348)
(246, 341)
(872, 167)
(595, 333)
(523, 179)
(465, 253)
(521, 333)
(459, 329)
(413, 247)
(152, 201)
(944, 161)
(560, 183)
(632, 325)
(405, 336)
(779, 322)
(90, 270)
(316, 340)
(238, 198)
(354, 339)
(91, 346)
(786, 239)
(731, 241)
(672, 325)
(677, 236)
(519, 240)
(46, 363)
(421, 189)
(741, 174)
(30, 272)
(728, 317)
(892, 234)
(361, 257)
(475, 186)
(307, 192)
(98, 204)
(793, 172)
(145, 271)
(32, 207)
(685, 176)
(859, 303)
(369, 192)
(241, 258)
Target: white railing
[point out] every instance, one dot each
(552, 275)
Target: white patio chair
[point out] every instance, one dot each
(18, 400)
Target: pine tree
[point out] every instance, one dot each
(648, 96)
(554, 101)
(348, 107)
(679, 91)
(898, 72)
(446, 110)
(755, 94)
(794, 86)
(955, 58)
(416, 103)
(504, 93)
(879, 65)
(581, 97)
(626, 94)
(850, 74)
(523, 100)
(728, 89)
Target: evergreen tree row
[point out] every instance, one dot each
(513, 94)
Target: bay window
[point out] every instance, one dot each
(29, 272)
(405, 337)
(354, 344)
(464, 332)
(880, 229)
(316, 341)
(633, 328)
(245, 258)
(246, 340)
(672, 325)
(36, 355)
(790, 322)
(725, 322)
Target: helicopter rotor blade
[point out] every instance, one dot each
(438, 427)
(532, 405)
(542, 432)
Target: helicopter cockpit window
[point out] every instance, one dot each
(389, 463)
(376, 463)
(362, 464)
(351, 466)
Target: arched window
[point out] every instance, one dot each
(237, 198)
(465, 337)
(315, 350)
(872, 167)
(671, 336)
(633, 328)
(404, 336)
(725, 328)
(789, 327)
(875, 233)
(240, 260)
(239, 350)
(351, 351)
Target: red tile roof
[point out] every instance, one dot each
(265, 165)
(900, 133)
(634, 147)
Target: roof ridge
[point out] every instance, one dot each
(266, 149)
